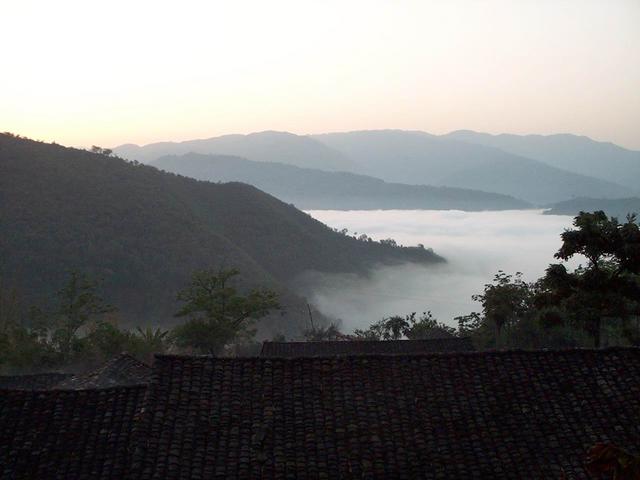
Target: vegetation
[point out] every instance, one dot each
(78, 328)
(81, 330)
(217, 314)
(77, 303)
(409, 326)
(569, 308)
(322, 333)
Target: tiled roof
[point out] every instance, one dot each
(40, 381)
(456, 415)
(358, 347)
(66, 434)
(122, 370)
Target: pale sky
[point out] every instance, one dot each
(106, 73)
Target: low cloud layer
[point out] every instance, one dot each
(475, 244)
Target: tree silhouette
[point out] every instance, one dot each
(217, 313)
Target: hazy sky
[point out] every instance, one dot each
(84, 72)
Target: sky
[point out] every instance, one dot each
(105, 73)
(475, 244)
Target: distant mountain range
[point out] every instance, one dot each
(280, 147)
(619, 207)
(317, 189)
(570, 152)
(420, 158)
(461, 159)
(145, 231)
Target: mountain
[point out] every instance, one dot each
(282, 147)
(613, 207)
(317, 189)
(570, 152)
(421, 158)
(145, 231)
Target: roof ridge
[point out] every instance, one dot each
(70, 391)
(411, 356)
(435, 339)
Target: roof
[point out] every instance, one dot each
(67, 434)
(366, 347)
(456, 415)
(122, 370)
(39, 381)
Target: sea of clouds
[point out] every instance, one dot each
(475, 244)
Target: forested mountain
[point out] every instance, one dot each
(145, 231)
(571, 152)
(421, 158)
(612, 207)
(317, 189)
(281, 147)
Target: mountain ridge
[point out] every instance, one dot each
(268, 145)
(619, 207)
(144, 231)
(414, 157)
(577, 153)
(409, 157)
(316, 189)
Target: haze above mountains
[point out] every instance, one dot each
(534, 169)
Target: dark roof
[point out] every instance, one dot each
(39, 381)
(123, 370)
(460, 415)
(359, 347)
(66, 434)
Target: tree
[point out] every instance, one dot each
(409, 326)
(101, 151)
(390, 328)
(217, 313)
(469, 324)
(323, 333)
(505, 301)
(608, 286)
(77, 303)
(426, 326)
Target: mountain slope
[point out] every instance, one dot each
(535, 181)
(417, 157)
(613, 207)
(570, 152)
(145, 231)
(262, 147)
(316, 189)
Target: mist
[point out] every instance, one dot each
(475, 244)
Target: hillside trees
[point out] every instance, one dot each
(145, 231)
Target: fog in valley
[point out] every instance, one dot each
(475, 244)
